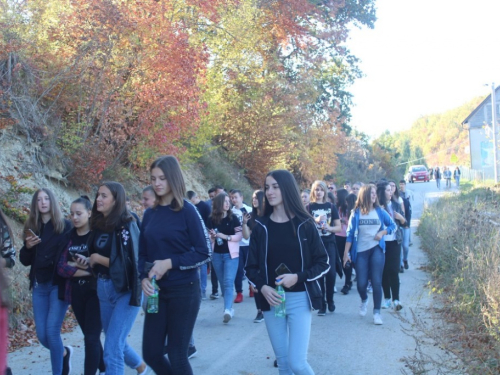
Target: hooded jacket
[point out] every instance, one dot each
(313, 254)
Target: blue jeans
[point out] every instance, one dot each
(238, 281)
(49, 312)
(117, 318)
(203, 278)
(226, 269)
(370, 262)
(457, 181)
(406, 244)
(290, 335)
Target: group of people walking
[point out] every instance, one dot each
(105, 261)
(445, 174)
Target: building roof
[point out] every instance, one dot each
(486, 100)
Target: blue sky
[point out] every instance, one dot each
(423, 57)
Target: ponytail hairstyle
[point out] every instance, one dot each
(34, 221)
(173, 174)
(83, 199)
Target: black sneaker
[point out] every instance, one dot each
(67, 360)
(331, 306)
(259, 318)
(322, 311)
(214, 295)
(406, 264)
(345, 289)
(192, 352)
(401, 269)
(275, 363)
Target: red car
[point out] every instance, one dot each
(418, 173)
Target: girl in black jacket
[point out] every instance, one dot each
(285, 249)
(44, 231)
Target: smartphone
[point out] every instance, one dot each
(282, 269)
(243, 210)
(29, 233)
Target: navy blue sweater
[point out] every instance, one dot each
(178, 235)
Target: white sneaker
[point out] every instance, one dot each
(387, 303)
(397, 305)
(228, 314)
(369, 289)
(363, 308)
(377, 319)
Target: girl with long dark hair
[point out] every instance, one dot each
(225, 234)
(390, 276)
(286, 240)
(327, 220)
(174, 243)
(113, 248)
(81, 285)
(44, 231)
(365, 246)
(340, 237)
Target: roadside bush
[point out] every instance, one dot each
(461, 237)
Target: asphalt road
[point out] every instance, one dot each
(341, 342)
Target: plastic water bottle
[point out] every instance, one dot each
(153, 298)
(219, 240)
(280, 310)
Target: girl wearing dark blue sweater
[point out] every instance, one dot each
(174, 239)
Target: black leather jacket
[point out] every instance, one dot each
(313, 253)
(123, 259)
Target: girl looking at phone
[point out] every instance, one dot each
(287, 234)
(175, 241)
(81, 285)
(44, 231)
(225, 234)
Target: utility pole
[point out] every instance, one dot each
(494, 128)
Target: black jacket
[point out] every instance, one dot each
(123, 260)
(313, 253)
(51, 245)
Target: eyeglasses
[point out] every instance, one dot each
(330, 187)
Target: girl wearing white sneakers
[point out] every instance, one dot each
(365, 246)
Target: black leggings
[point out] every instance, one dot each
(177, 311)
(327, 282)
(85, 304)
(390, 277)
(341, 249)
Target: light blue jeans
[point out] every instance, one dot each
(117, 318)
(225, 269)
(203, 278)
(406, 244)
(49, 312)
(290, 335)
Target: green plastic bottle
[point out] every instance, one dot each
(280, 310)
(153, 298)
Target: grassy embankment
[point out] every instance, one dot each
(461, 235)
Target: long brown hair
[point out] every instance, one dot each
(173, 174)
(364, 201)
(119, 213)
(34, 221)
(218, 209)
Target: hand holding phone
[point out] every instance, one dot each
(31, 238)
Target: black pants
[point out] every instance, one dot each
(238, 281)
(177, 311)
(327, 282)
(85, 304)
(213, 278)
(341, 249)
(390, 276)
